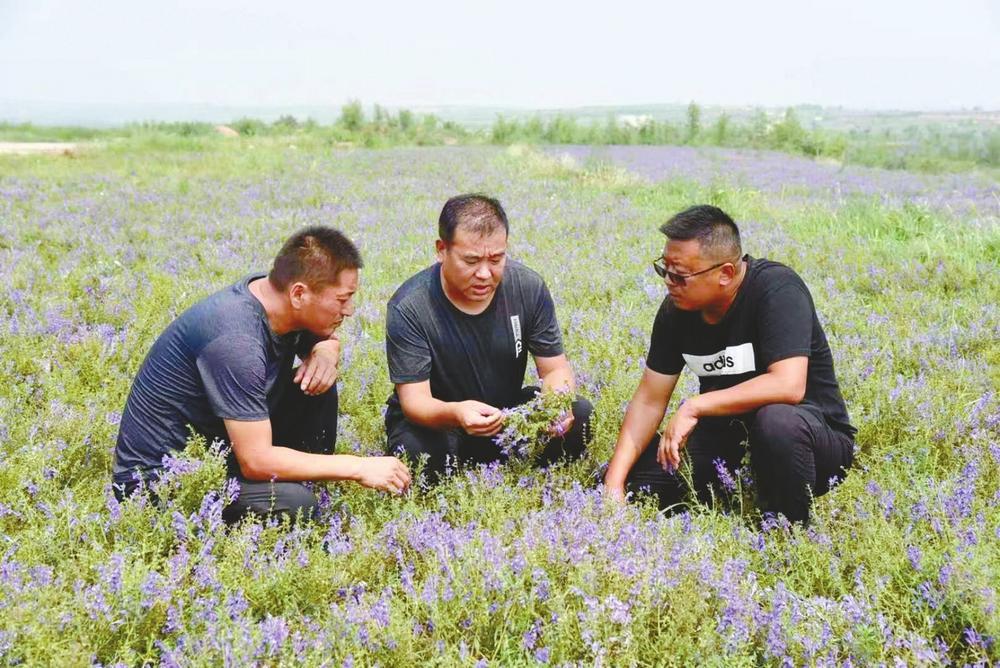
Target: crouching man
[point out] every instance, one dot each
(748, 329)
(224, 368)
(458, 335)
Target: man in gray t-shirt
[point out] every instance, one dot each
(225, 370)
(458, 336)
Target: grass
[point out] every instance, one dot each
(100, 251)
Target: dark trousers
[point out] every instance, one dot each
(298, 421)
(793, 455)
(449, 448)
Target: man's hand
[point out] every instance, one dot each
(562, 425)
(674, 437)
(479, 419)
(319, 370)
(614, 492)
(385, 473)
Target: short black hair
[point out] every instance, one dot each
(476, 212)
(315, 256)
(717, 234)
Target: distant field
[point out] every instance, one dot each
(930, 142)
(99, 251)
(974, 198)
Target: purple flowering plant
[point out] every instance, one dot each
(499, 565)
(529, 426)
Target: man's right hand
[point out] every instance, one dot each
(388, 474)
(614, 492)
(478, 419)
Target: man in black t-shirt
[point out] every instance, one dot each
(224, 369)
(458, 336)
(748, 329)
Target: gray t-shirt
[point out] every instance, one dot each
(218, 360)
(481, 357)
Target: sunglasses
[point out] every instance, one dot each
(660, 267)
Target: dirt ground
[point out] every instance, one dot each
(35, 148)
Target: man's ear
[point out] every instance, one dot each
(727, 273)
(440, 248)
(296, 294)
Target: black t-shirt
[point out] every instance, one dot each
(481, 357)
(771, 319)
(218, 360)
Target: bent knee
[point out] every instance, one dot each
(776, 425)
(298, 498)
(291, 498)
(582, 410)
(411, 445)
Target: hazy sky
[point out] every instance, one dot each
(914, 54)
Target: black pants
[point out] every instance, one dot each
(298, 421)
(793, 455)
(449, 448)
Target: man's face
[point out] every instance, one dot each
(684, 257)
(472, 264)
(322, 311)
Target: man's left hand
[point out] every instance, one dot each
(562, 425)
(679, 427)
(319, 370)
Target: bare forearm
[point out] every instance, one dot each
(747, 396)
(431, 412)
(280, 463)
(559, 379)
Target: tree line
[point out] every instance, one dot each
(916, 147)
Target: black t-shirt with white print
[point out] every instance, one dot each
(481, 357)
(772, 318)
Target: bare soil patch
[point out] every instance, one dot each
(37, 148)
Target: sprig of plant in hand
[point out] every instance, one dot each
(528, 427)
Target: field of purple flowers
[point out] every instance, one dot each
(974, 198)
(499, 566)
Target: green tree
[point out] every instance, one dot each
(503, 131)
(286, 122)
(693, 122)
(561, 130)
(534, 129)
(405, 120)
(352, 116)
(381, 116)
(720, 129)
(648, 132)
(758, 128)
(788, 134)
(248, 127)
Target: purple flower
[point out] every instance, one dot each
(380, 610)
(913, 553)
(236, 605)
(725, 477)
(930, 595)
(274, 631)
(944, 575)
(530, 637)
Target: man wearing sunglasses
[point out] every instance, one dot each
(748, 329)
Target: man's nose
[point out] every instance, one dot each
(482, 271)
